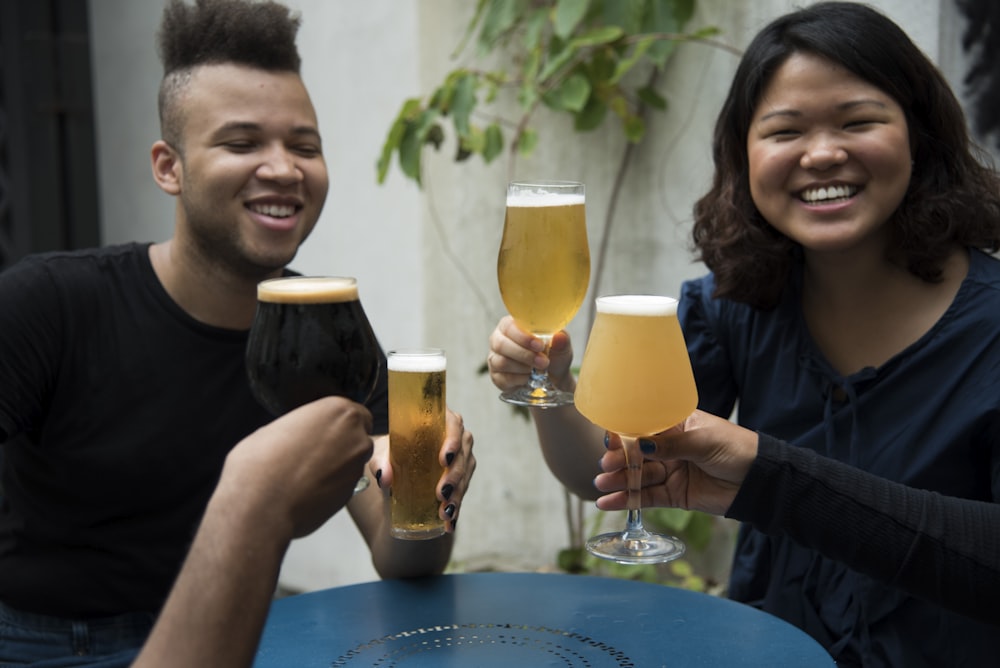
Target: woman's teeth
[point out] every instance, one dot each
(815, 195)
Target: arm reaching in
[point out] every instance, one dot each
(281, 482)
(940, 548)
(570, 443)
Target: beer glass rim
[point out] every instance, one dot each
(416, 359)
(347, 285)
(416, 352)
(550, 183)
(641, 305)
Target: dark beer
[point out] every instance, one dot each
(310, 339)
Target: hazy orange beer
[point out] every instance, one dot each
(417, 405)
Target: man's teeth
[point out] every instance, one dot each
(833, 192)
(273, 210)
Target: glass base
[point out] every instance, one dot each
(424, 532)
(538, 397)
(641, 548)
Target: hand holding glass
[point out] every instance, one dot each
(543, 269)
(636, 380)
(310, 338)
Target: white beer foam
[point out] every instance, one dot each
(524, 199)
(308, 289)
(416, 362)
(641, 305)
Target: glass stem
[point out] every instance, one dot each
(633, 476)
(540, 379)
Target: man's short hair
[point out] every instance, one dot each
(212, 32)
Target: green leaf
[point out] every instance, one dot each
(499, 18)
(534, 29)
(527, 141)
(627, 63)
(553, 64)
(412, 143)
(626, 14)
(410, 108)
(571, 95)
(567, 15)
(597, 36)
(463, 102)
(528, 93)
(571, 560)
(494, 143)
(652, 98)
(635, 129)
(591, 116)
(666, 16)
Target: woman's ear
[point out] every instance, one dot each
(167, 167)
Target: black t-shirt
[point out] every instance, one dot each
(118, 410)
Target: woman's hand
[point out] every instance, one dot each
(698, 465)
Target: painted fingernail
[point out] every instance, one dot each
(647, 446)
(449, 510)
(378, 478)
(447, 490)
(454, 523)
(607, 439)
(449, 458)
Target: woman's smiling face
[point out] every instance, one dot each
(829, 155)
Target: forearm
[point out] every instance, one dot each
(939, 548)
(572, 447)
(392, 557)
(219, 604)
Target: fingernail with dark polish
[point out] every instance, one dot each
(607, 439)
(647, 446)
(454, 523)
(449, 458)
(449, 510)
(378, 478)
(447, 490)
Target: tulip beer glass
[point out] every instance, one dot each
(636, 380)
(543, 269)
(310, 338)
(417, 405)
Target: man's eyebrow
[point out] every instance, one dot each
(249, 126)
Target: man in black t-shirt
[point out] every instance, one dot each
(122, 381)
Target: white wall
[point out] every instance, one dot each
(426, 259)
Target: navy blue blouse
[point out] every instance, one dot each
(927, 418)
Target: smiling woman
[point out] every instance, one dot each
(851, 310)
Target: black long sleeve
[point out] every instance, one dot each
(942, 549)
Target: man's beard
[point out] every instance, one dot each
(223, 250)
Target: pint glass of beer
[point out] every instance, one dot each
(417, 405)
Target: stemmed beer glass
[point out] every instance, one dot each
(543, 269)
(310, 338)
(636, 380)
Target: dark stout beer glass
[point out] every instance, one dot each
(310, 338)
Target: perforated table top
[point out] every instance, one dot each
(525, 620)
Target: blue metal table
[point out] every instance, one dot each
(525, 620)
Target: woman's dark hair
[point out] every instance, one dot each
(952, 197)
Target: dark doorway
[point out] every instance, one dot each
(48, 184)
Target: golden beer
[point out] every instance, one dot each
(635, 377)
(543, 266)
(417, 404)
